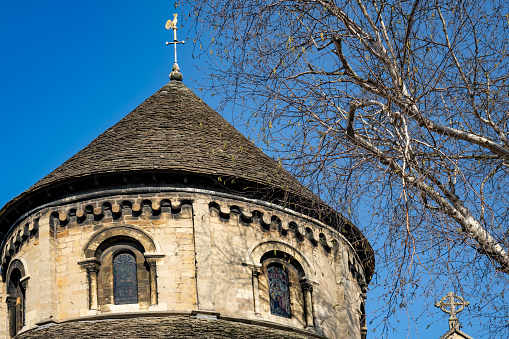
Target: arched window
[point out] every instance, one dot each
(282, 287)
(16, 294)
(279, 293)
(121, 269)
(125, 282)
(123, 275)
(282, 278)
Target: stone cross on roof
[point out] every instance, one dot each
(452, 304)
(175, 70)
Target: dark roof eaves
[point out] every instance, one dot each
(263, 170)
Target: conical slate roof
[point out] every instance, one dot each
(174, 130)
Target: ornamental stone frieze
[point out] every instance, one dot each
(172, 220)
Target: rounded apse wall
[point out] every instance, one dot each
(176, 257)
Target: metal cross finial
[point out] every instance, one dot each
(175, 70)
(448, 304)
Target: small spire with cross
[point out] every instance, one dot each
(175, 70)
(452, 304)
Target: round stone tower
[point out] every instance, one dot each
(172, 224)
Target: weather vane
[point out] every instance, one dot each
(452, 304)
(175, 70)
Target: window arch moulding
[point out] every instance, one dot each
(16, 286)
(130, 238)
(148, 242)
(257, 251)
(275, 250)
(20, 264)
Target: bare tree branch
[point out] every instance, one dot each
(395, 113)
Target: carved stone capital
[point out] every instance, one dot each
(255, 271)
(92, 267)
(91, 264)
(151, 263)
(11, 301)
(152, 256)
(307, 284)
(24, 282)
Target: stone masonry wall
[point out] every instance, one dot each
(205, 244)
(336, 294)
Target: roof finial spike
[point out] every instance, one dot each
(175, 70)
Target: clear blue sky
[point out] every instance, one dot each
(69, 70)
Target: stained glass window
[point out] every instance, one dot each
(125, 285)
(278, 292)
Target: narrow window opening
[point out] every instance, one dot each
(125, 284)
(279, 291)
(20, 308)
(16, 303)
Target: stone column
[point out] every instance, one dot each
(307, 290)
(256, 291)
(153, 281)
(92, 271)
(151, 258)
(11, 311)
(92, 266)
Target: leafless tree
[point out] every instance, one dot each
(395, 113)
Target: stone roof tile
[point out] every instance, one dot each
(164, 327)
(175, 130)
